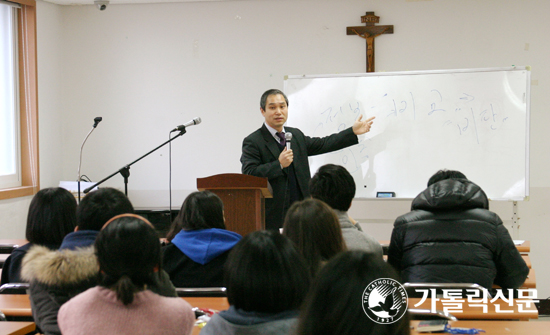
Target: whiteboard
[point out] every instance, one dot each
(473, 120)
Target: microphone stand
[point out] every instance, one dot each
(125, 170)
(80, 161)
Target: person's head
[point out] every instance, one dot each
(315, 230)
(445, 174)
(200, 210)
(334, 185)
(52, 215)
(274, 108)
(334, 302)
(99, 206)
(128, 252)
(265, 273)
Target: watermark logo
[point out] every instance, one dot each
(385, 301)
(453, 301)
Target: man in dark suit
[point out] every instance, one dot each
(264, 154)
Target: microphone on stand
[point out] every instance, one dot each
(288, 138)
(182, 127)
(97, 120)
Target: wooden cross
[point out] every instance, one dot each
(369, 32)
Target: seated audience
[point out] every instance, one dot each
(56, 276)
(199, 244)
(52, 215)
(313, 227)
(334, 185)
(334, 304)
(267, 281)
(450, 236)
(128, 252)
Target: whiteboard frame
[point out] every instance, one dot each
(470, 70)
(418, 72)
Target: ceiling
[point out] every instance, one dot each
(91, 2)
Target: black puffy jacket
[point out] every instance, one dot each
(450, 236)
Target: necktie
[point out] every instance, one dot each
(281, 135)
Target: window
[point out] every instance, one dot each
(9, 109)
(18, 99)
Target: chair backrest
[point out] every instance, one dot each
(416, 290)
(426, 314)
(201, 291)
(7, 248)
(14, 288)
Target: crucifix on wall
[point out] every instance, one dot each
(369, 32)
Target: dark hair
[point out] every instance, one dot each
(267, 93)
(445, 174)
(128, 252)
(315, 230)
(334, 185)
(264, 273)
(52, 215)
(334, 304)
(99, 206)
(200, 210)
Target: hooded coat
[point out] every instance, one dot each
(450, 236)
(196, 258)
(59, 275)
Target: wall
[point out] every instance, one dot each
(52, 134)
(147, 68)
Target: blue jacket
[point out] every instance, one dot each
(196, 258)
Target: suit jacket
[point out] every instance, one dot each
(260, 157)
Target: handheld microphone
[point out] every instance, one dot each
(193, 122)
(288, 138)
(97, 120)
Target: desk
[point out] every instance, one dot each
(217, 303)
(531, 281)
(498, 327)
(524, 247)
(527, 260)
(15, 305)
(19, 242)
(7, 245)
(16, 327)
(476, 313)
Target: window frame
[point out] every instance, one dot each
(13, 179)
(28, 103)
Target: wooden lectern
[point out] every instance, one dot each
(243, 198)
